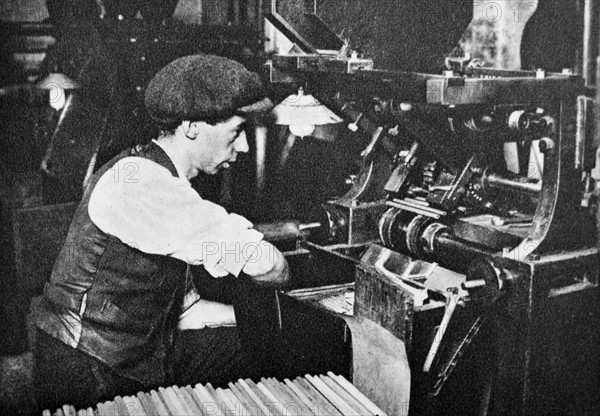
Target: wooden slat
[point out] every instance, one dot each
(119, 407)
(226, 405)
(259, 394)
(303, 397)
(330, 395)
(192, 400)
(183, 400)
(276, 407)
(134, 406)
(323, 405)
(238, 404)
(345, 396)
(210, 403)
(251, 406)
(357, 394)
(147, 404)
(293, 400)
(158, 403)
(255, 398)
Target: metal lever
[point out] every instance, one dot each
(437, 341)
(372, 143)
(354, 125)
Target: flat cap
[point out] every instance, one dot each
(203, 87)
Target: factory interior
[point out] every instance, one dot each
(429, 171)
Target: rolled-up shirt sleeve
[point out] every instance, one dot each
(144, 206)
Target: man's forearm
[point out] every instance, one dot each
(268, 266)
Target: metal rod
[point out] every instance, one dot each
(588, 43)
(261, 157)
(435, 345)
(417, 204)
(597, 126)
(497, 181)
(416, 210)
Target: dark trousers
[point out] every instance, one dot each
(209, 355)
(65, 375)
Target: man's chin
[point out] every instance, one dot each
(216, 169)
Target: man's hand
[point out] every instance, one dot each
(267, 266)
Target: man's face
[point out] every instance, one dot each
(217, 146)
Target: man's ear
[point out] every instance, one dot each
(191, 129)
(186, 128)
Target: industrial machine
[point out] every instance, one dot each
(470, 232)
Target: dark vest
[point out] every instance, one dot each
(111, 300)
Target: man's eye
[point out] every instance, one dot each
(234, 136)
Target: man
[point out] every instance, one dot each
(122, 284)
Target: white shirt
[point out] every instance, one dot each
(146, 207)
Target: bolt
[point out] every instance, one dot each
(473, 284)
(354, 126)
(546, 144)
(453, 290)
(540, 73)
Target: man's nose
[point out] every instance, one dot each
(241, 144)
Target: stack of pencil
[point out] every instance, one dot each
(311, 395)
